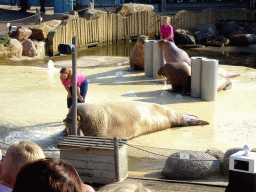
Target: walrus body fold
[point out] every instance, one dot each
(127, 119)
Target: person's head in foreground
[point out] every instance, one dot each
(126, 186)
(17, 155)
(48, 175)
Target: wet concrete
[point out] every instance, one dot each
(34, 96)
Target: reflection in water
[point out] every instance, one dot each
(237, 56)
(226, 56)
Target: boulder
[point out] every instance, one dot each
(250, 29)
(29, 48)
(206, 28)
(199, 165)
(242, 39)
(218, 154)
(68, 16)
(230, 27)
(184, 37)
(202, 37)
(40, 48)
(7, 51)
(40, 32)
(53, 23)
(18, 48)
(129, 8)
(219, 41)
(22, 33)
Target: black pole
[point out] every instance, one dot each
(74, 87)
(116, 159)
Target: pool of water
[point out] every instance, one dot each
(230, 55)
(237, 56)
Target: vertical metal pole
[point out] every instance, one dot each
(116, 159)
(74, 88)
(37, 21)
(92, 6)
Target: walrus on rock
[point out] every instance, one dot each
(127, 119)
(137, 54)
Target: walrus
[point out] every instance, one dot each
(137, 54)
(127, 119)
(174, 54)
(178, 74)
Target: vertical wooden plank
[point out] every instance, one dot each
(85, 32)
(139, 23)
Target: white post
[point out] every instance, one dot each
(196, 76)
(158, 58)
(209, 79)
(148, 61)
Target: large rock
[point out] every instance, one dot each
(202, 37)
(230, 27)
(199, 165)
(40, 48)
(40, 32)
(29, 48)
(207, 28)
(183, 36)
(250, 29)
(7, 51)
(69, 16)
(129, 8)
(53, 23)
(218, 154)
(22, 33)
(243, 39)
(18, 48)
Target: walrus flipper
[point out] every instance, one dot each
(192, 120)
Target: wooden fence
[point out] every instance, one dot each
(109, 28)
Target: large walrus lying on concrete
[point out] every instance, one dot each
(127, 119)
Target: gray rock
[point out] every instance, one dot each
(250, 29)
(202, 37)
(176, 168)
(230, 27)
(242, 39)
(218, 154)
(207, 28)
(184, 37)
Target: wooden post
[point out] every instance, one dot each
(116, 159)
(74, 88)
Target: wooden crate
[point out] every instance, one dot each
(93, 158)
